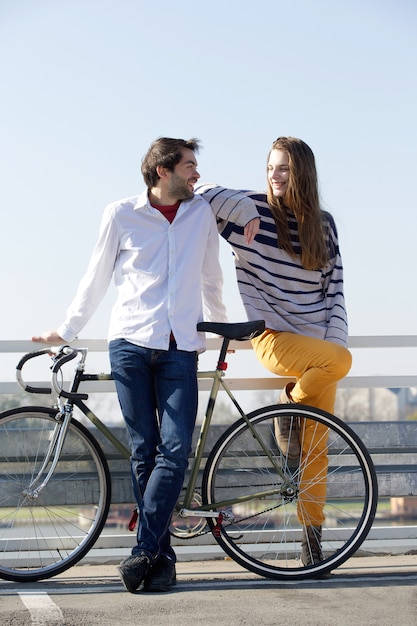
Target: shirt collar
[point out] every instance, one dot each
(143, 202)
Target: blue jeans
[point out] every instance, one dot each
(157, 391)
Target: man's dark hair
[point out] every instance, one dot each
(164, 152)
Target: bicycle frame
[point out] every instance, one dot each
(217, 376)
(185, 509)
(74, 398)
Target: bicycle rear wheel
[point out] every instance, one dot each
(270, 496)
(43, 534)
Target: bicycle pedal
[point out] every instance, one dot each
(217, 529)
(132, 523)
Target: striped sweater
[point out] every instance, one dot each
(273, 285)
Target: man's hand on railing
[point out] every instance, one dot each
(49, 336)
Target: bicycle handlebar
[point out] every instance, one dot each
(63, 354)
(19, 367)
(68, 353)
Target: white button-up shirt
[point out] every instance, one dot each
(168, 276)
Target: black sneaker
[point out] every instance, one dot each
(161, 576)
(133, 571)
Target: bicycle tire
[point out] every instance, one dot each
(264, 535)
(43, 535)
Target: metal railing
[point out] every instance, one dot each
(379, 343)
(393, 444)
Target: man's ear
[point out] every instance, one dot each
(162, 172)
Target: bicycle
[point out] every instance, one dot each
(55, 487)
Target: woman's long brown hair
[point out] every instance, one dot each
(301, 199)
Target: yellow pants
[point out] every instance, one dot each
(317, 365)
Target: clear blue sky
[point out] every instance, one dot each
(86, 86)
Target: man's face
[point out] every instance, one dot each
(182, 180)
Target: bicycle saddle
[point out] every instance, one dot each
(241, 331)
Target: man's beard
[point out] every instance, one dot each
(179, 189)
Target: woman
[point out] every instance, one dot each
(292, 277)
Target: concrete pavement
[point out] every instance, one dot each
(379, 590)
(227, 570)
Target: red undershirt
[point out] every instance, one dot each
(169, 211)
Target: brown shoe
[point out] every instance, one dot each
(285, 395)
(287, 434)
(287, 428)
(311, 552)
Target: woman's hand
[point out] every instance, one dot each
(251, 229)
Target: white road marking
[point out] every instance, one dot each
(43, 611)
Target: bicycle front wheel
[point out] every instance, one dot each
(269, 500)
(45, 529)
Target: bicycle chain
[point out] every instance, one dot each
(242, 519)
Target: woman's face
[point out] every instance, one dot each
(278, 172)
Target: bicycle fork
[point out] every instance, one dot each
(52, 455)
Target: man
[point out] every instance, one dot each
(162, 248)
